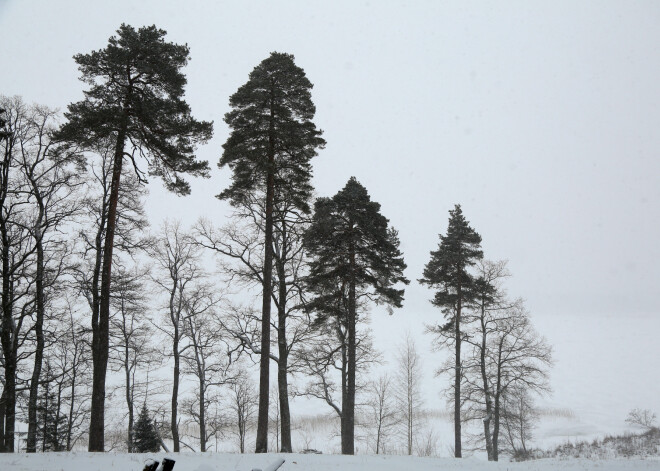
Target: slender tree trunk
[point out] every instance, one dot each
(457, 380)
(69, 425)
(486, 388)
(101, 324)
(7, 308)
(241, 413)
(10, 404)
(277, 421)
(10, 390)
(348, 437)
(411, 409)
(31, 446)
(7, 334)
(378, 436)
(283, 390)
(496, 429)
(264, 373)
(344, 386)
(3, 402)
(129, 397)
(58, 414)
(175, 391)
(44, 430)
(202, 416)
(282, 365)
(522, 425)
(3, 407)
(496, 411)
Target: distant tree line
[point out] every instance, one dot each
(87, 287)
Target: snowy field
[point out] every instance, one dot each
(247, 462)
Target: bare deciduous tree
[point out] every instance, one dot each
(17, 247)
(516, 358)
(488, 303)
(177, 261)
(408, 390)
(204, 358)
(74, 348)
(131, 346)
(37, 195)
(518, 417)
(382, 411)
(50, 182)
(241, 243)
(641, 417)
(243, 402)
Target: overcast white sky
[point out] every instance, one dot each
(541, 118)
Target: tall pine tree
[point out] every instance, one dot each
(355, 259)
(269, 150)
(135, 99)
(447, 272)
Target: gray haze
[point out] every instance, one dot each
(541, 118)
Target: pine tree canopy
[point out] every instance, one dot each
(145, 436)
(349, 238)
(271, 125)
(136, 94)
(447, 271)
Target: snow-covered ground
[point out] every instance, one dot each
(297, 462)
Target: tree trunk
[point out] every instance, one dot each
(31, 446)
(522, 425)
(486, 388)
(175, 392)
(241, 427)
(129, 397)
(7, 335)
(378, 436)
(101, 324)
(283, 390)
(58, 414)
(264, 372)
(69, 425)
(348, 437)
(202, 417)
(348, 434)
(457, 380)
(10, 404)
(496, 411)
(411, 411)
(3, 402)
(44, 432)
(9, 348)
(496, 429)
(344, 385)
(7, 308)
(282, 365)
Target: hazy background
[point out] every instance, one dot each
(540, 118)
